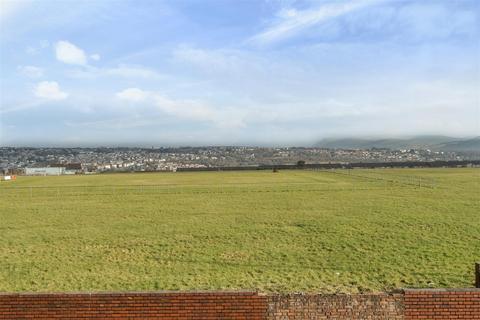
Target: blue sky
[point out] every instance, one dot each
(236, 72)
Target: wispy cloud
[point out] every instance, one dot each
(292, 22)
(95, 56)
(21, 106)
(132, 94)
(121, 71)
(9, 8)
(116, 123)
(182, 108)
(30, 71)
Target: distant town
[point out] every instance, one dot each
(56, 161)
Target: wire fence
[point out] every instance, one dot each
(30, 192)
(406, 180)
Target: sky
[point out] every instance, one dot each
(243, 72)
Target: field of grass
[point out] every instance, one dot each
(328, 231)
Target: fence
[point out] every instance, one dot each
(408, 304)
(346, 165)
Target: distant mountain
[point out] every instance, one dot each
(462, 145)
(443, 143)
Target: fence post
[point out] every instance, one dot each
(477, 275)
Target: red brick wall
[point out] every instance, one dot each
(409, 305)
(442, 304)
(159, 305)
(343, 306)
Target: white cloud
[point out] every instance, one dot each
(49, 90)
(132, 94)
(95, 56)
(30, 71)
(293, 21)
(69, 53)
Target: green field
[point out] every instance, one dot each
(328, 231)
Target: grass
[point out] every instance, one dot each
(328, 231)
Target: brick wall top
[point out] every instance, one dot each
(130, 293)
(435, 304)
(412, 291)
(138, 305)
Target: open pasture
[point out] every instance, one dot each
(329, 231)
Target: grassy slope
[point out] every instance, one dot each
(293, 230)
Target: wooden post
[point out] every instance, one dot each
(477, 275)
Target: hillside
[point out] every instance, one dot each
(462, 145)
(442, 143)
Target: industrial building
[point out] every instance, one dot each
(45, 171)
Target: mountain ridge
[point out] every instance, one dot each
(437, 143)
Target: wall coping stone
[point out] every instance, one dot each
(433, 290)
(129, 293)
